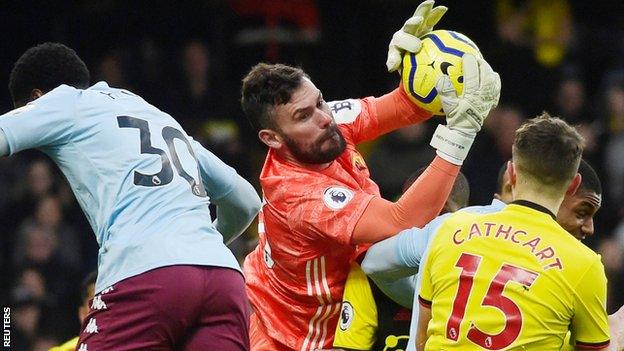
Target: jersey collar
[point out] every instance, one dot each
(534, 206)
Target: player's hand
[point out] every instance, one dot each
(406, 39)
(616, 326)
(466, 113)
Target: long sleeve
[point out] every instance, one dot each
(236, 210)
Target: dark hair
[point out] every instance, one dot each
(548, 150)
(589, 178)
(459, 194)
(265, 86)
(86, 283)
(45, 67)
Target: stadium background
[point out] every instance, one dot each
(187, 58)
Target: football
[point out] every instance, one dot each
(441, 53)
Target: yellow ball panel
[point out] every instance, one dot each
(441, 53)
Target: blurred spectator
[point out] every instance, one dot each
(544, 25)
(570, 101)
(282, 22)
(38, 255)
(114, 67)
(59, 237)
(39, 182)
(612, 252)
(398, 155)
(491, 149)
(538, 35)
(30, 281)
(25, 314)
(195, 99)
(87, 291)
(614, 162)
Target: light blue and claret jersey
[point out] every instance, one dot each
(142, 182)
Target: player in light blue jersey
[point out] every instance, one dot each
(393, 263)
(166, 278)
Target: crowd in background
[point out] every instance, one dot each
(562, 56)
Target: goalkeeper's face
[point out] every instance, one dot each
(306, 128)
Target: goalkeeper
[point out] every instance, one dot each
(320, 205)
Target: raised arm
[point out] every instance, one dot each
(465, 115)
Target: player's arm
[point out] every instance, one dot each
(236, 199)
(45, 123)
(425, 298)
(236, 210)
(590, 321)
(425, 198)
(393, 263)
(616, 328)
(358, 322)
(424, 316)
(417, 206)
(400, 255)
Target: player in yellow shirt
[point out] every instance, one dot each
(576, 216)
(87, 290)
(370, 320)
(515, 279)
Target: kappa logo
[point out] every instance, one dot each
(107, 290)
(83, 347)
(347, 314)
(337, 197)
(91, 327)
(98, 304)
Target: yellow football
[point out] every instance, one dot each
(441, 53)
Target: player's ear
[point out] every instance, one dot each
(511, 173)
(271, 138)
(574, 185)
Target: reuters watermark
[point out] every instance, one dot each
(6, 328)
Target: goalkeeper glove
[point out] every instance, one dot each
(465, 114)
(406, 39)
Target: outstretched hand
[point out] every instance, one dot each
(467, 112)
(407, 38)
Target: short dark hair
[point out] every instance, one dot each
(86, 283)
(460, 193)
(589, 178)
(45, 67)
(265, 86)
(548, 150)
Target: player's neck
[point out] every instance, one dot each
(552, 203)
(289, 158)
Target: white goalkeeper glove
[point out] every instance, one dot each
(406, 39)
(465, 114)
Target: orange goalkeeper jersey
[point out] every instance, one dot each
(296, 276)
